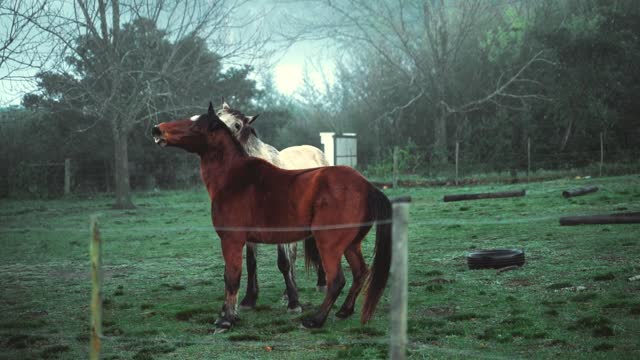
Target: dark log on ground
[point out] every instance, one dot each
(580, 191)
(618, 218)
(495, 195)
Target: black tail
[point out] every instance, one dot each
(311, 254)
(379, 210)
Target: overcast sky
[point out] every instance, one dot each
(287, 67)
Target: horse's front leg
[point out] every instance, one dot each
(232, 253)
(251, 296)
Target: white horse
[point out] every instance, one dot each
(295, 157)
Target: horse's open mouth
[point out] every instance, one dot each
(160, 140)
(157, 136)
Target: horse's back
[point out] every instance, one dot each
(302, 157)
(340, 195)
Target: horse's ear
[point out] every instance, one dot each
(225, 106)
(210, 111)
(252, 118)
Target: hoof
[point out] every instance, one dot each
(220, 330)
(311, 324)
(296, 309)
(322, 288)
(246, 304)
(222, 326)
(343, 314)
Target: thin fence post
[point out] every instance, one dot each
(395, 166)
(399, 270)
(96, 292)
(601, 152)
(528, 157)
(457, 153)
(67, 176)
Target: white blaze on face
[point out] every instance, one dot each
(194, 117)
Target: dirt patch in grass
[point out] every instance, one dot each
(23, 341)
(244, 337)
(53, 351)
(586, 297)
(511, 328)
(440, 311)
(175, 287)
(603, 347)
(365, 331)
(186, 315)
(560, 285)
(518, 282)
(604, 277)
(469, 316)
(23, 324)
(363, 351)
(599, 326)
(148, 353)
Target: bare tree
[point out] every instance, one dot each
(127, 84)
(423, 42)
(22, 48)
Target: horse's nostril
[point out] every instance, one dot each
(155, 131)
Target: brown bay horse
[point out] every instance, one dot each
(253, 200)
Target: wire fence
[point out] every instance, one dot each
(55, 179)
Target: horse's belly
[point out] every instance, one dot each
(278, 236)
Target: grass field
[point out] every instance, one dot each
(163, 281)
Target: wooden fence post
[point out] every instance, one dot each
(457, 153)
(67, 176)
(395, 166)
(399, 270)
(96, 292)
(528, 157)
(601, 152)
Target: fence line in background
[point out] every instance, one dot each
(76, 176)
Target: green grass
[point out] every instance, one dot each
(163, 281)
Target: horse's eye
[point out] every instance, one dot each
(237, 126)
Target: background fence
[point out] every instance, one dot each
(405, 168)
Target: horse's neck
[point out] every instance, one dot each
(215, 166)
(257, 148)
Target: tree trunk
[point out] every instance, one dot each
(439, 155)
(123, 188)
(516, 140)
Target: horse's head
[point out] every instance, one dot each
(238, 123)
(194, 134)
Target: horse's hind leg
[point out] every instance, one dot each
(321, 284)
(330, 253)
(251, 296)
(359, 272)
(285, 264)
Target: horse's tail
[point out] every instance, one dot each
(311, 254)
(380, 211)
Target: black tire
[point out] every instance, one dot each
(495, 258)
